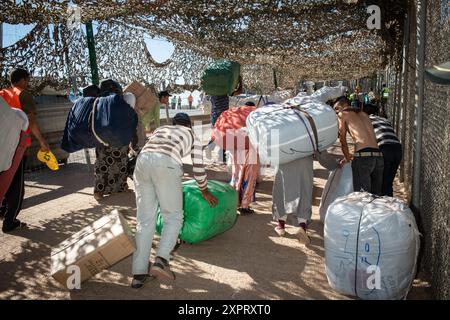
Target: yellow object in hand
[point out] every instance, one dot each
(49, 159)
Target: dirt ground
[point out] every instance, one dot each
(247, 262)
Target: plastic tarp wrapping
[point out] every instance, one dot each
(230, 132)
(283, 135)
(328, 93)
(12, 122)
(339, 184)
(77, 134)
(220, 78)
(201, 222)
(371, 246)
(260, 100)
(114, 122)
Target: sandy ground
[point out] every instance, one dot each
(247, 262)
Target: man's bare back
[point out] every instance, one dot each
(360, 128)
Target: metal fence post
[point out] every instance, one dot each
(420, 65)
(92, 54)
(407, 73)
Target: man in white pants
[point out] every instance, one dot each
(293, 192)
(158, 181)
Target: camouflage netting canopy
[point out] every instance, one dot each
(298, 39)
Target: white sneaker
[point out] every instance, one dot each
(280, 231)
(302, 236)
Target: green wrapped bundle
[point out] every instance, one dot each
(201, 222)
(221, 77)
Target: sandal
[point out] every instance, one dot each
(98, 196)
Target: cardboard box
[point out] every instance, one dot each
(94, 248)
(146, 98)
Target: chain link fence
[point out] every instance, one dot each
(433, 211)
(433, 171)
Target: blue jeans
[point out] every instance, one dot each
(158, 181)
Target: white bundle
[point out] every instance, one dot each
(339, 184)
(371, 246)
(328, 93)
(283, 135)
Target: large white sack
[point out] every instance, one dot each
(240, 100)
(328, 93)
(300, 100)
(261, 100)
(12, 122)
(362, 231)
(283, 135)
(280, 96)
(339, 183)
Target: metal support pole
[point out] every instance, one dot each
(407, 73)
(92, 55)
(1, 34)
(402, 83)
(416, 200)
(394, 99)
(1, 39)
(398, 101)
(275, 82)
(94, 70)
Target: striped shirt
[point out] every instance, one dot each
(177, 142)
(383, 130)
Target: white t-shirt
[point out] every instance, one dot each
(12, 122)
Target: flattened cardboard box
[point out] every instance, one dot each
(94, 248)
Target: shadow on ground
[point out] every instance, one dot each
(247, 262)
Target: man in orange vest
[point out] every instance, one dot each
(18, 97)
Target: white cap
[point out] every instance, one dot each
(130, 99)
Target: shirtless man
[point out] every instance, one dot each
(367, 160)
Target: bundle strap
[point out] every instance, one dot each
(259, 101)
(92, 124)
(315, 142)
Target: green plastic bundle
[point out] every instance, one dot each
(221, 77)
(201, 222)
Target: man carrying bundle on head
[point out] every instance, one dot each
(220, 80)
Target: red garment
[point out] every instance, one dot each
(7, 176)
(229, 130)
(244, 175)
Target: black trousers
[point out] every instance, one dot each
(12, 204)
(392, 154)
(368, 174)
